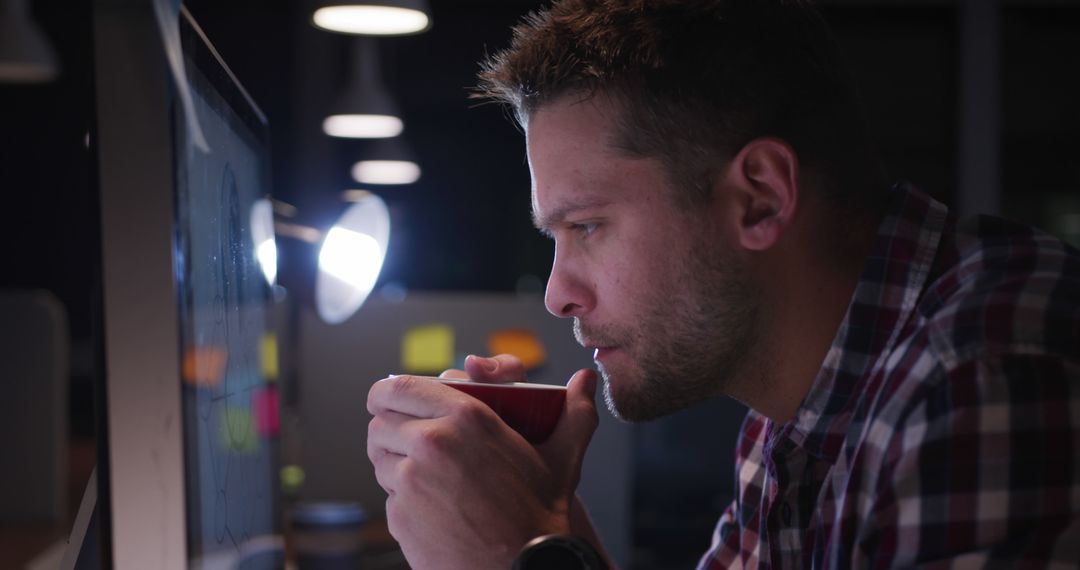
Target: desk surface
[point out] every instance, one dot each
(20, 543)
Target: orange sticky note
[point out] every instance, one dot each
(520, 342)
(204, 365)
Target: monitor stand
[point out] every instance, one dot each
(83, 550)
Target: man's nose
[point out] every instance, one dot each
(568, 294)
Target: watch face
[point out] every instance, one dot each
(557, 552)
(554, 555)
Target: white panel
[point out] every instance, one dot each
(141, 330)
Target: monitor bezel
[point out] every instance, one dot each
(142, 507)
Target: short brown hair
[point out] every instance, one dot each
(697, 79)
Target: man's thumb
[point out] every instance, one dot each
(579, 418)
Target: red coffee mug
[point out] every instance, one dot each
(530, 409)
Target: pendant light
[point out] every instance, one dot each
(365, 109)
(374, 17)
(387, 162)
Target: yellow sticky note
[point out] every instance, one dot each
(428, 349)
(269, 352)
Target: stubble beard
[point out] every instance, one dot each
(691, 342)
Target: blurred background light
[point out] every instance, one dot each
(352, 257)
(363, 126)
(262, 233)
(354, 195)
(266, 252)
(386, 172)
(379, 17)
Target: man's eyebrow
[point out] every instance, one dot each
(545, 222)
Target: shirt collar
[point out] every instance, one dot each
(892, 280)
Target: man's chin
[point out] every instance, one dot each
(610, 398)
(623, 400)
(631, 399)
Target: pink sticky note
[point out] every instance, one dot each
(265, 404)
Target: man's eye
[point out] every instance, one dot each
(584, 229)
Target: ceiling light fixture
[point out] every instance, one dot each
(375, 17)
(361, 126)
(387, 162)
(365, 110)
(386, 172)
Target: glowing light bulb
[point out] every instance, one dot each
(262, 233)
(371, 20)
(363, 126)
(386, 172)
(352, 257)
(266, 253)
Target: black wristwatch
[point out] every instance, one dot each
(559, 552)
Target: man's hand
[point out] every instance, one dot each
(495, 369)
(465, 490)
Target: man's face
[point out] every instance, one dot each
(656, 290)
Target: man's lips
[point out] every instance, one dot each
(601, 347)
(602, 352)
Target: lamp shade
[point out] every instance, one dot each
(350, 259)
(25, 53)
(365, 108)
(374, 17)
(333, 267)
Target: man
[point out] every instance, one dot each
(721, 227)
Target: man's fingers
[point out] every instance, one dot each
(579, 419)
(386, 434)
(386, 470)
(498, 368)
(413, 396)
(454, 374)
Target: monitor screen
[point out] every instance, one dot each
(228, 349)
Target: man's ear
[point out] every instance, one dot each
(763, 181)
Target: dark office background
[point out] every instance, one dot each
(960, 110)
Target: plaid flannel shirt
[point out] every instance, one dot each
(943, 429)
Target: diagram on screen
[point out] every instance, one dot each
(225, 322)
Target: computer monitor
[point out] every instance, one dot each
(188, 471)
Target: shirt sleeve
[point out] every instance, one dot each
(724, 552)
(983, 472)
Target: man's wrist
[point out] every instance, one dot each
(559, 552)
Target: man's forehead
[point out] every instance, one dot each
(575, 157)
(572, 144)
(594, 116)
